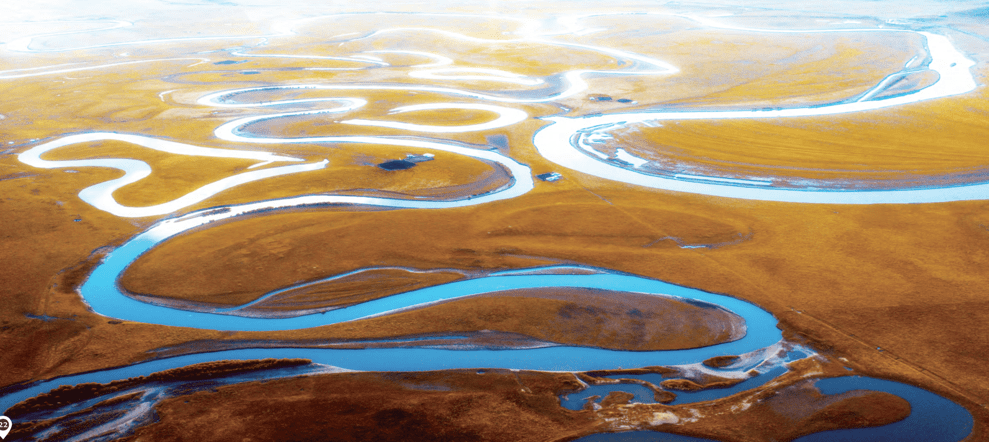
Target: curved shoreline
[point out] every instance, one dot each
(555, 142)
(931, 416)
(102, 293)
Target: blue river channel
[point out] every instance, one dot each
(932, 418)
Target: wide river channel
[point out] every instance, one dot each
(556, 143)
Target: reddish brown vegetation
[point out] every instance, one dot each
(720, 361)
(68, 394)
(498, 405)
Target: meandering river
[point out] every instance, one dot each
(556, 142)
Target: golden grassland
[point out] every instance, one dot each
(875, 285)
(900, 143)
(716, 67)
(737, 69)
(347, 290)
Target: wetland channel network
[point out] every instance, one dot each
(555, 142)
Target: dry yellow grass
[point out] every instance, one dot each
(893, 144)
(847, 278)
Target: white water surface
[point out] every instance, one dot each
(103, 294)
(101, 195)
(554, 142)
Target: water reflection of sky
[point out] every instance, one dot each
(937, 412)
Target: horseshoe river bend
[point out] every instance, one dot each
(681, 222)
